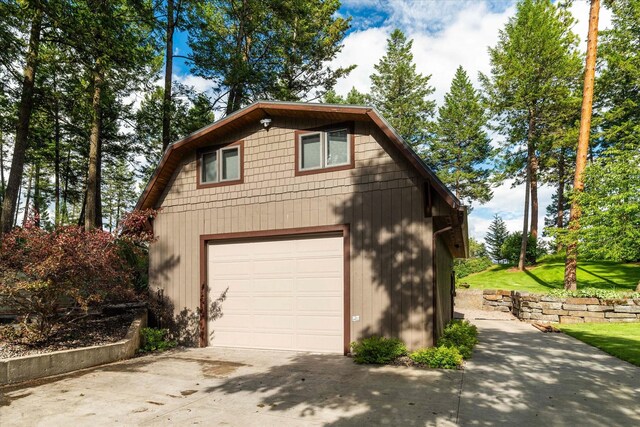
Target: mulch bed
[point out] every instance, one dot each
(84, 333)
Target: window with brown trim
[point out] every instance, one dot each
(220, 165)
(324, 150)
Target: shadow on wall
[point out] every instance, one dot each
(387, 223)
(332, 390)
(184, 326)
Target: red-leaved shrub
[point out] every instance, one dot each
(49, 278)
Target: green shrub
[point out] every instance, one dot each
(155, 340)
(378, 350)
(460, 334)
(511, 249)
(438, 357)
(465, 267)
(593, 293)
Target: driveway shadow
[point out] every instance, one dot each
(334, 391)
(519, 375)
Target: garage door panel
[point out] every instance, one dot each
(320, 284)
(321, 265)
(279, 267)
(283, 294)
(265, 341)
(322, 304)
(317, 342)
(320, 323)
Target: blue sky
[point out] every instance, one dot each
(446, 34)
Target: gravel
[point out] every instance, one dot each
(85, 333)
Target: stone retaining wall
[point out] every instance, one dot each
(526, 306)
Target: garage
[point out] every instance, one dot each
(282, 293)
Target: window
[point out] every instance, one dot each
(221, 166)
(329, 149)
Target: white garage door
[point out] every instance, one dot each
(284, 294)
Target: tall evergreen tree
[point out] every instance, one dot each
(610, 207)
(112, 40)
(119, 191)
(495, 238)
(571, 262)
(618, 86)
(460, 149)
(267, 50)
(534, 67)
(354, 97)
(33, 14)
(400, 93)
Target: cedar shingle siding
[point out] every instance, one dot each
(381, 199)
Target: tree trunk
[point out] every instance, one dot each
(234, 102)
(36, 195)
(525, 224)
(560, 192)
(65, 189)
(2, 183)
(527, 191)
(90, 211)
(98, 221)
(168, 74)
(25, 216)
(56, 165)
(15, 218)
(571, 263)
(9, 205)
(534, 193)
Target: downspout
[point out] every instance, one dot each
(434, 272)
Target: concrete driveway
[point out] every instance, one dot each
(237, 388)
(518, 376)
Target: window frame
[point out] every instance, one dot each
(219, 149)
(324, 140)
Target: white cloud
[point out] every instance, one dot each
(447, 34)
(200, 84)
(507, 202)
(580, 11)
(363, 48)
(463, 42)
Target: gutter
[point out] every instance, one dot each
(434, 272)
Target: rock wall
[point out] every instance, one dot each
(526, 306)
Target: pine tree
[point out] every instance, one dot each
(610, 207)
(34, 16)
(119, 191)
(617, 87)
(534, 68)
(571, 261)
(400, 93)
(495, 238)
(354, 97)
(460, 148)
(256, 50)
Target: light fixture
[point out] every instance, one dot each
(266, 122)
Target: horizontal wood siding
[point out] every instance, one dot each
(381, 199)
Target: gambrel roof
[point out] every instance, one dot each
(253, 113)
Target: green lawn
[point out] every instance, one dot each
(549, 274)
(621, 340)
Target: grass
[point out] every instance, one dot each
(548, 274)
(621, 340)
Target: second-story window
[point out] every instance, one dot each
(327, 149)
(222, 165)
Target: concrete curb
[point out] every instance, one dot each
(25, 368)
